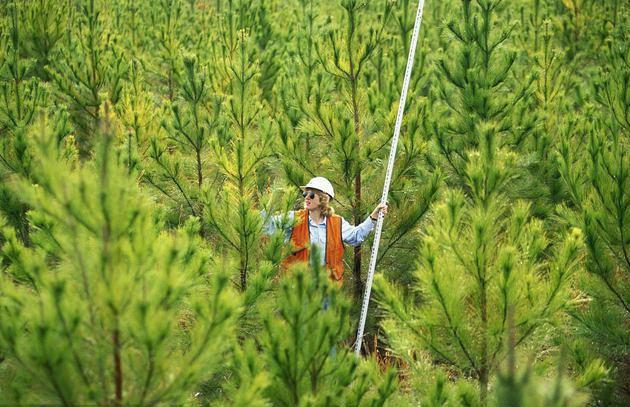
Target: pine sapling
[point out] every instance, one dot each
(481, 257)
(105, 307)
(244, 142)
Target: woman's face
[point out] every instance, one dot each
(311, 200)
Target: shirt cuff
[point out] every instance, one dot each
(368, 223)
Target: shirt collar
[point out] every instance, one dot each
(310, 221)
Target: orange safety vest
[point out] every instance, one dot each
(334, 244)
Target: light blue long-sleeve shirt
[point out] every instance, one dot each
(352, 235)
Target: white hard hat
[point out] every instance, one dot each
(321, 184)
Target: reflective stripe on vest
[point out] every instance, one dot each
(300, 237)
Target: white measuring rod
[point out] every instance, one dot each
(388, 178)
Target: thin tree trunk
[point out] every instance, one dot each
(484, 367)
(199, 172)
(243, 269)
(118, 375)
(243, 238)
(171, 92)
(356, 267)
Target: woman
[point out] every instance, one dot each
(317, 225)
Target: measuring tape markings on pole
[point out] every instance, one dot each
(388, 177)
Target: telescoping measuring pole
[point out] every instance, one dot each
(388, 177)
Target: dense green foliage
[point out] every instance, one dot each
(144, 144)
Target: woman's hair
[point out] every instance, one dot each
(324, 201)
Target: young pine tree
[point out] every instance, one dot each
(243, 144)
(138, 114)
(300, 358)
(88, 71)
(595, 166)
(105, 307)
(44, 27)
(481, 257)
(165, 42)
(21, 92)
(22, 97)
(476, 87)
(179, 155)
